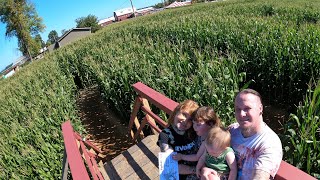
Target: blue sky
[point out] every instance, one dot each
(61, 14)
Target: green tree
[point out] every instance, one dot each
(89, 21)
(39, 40)
(33, 47)
(166, 3)
(63, 31)
(21, 21)
(53, 36)
(159, 5)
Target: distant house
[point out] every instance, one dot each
(144, 11)
(178, 4)
(70, 36)
(13, 67)
(41, 52)
(105, 22)
(123, 14)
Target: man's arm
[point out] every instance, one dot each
(260, 174)
(269, 160)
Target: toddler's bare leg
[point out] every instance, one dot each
(185, 169)
(208, 173)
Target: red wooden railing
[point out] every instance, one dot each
(148, 95)
(76, 150)
(287, 171)
(145, 96)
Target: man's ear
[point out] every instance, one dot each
(261, 109)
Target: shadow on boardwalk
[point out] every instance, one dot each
(104, 128)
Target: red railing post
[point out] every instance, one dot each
(75, 150)
(76, 164)
(133, 117)
(65, 165)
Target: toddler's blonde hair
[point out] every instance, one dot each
(219, 137)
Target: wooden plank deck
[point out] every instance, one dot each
(138, 162)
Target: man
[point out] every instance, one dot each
(258, 149)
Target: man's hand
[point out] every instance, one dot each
(177, 157)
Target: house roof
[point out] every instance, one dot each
(145, 9)
(74, 29)
(178, 4)
(124, 11)
(106, 20)
(21, 60)
(57, 43)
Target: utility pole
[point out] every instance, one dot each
(134, 14)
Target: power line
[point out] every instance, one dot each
(121, 6)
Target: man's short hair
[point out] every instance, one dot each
(251, 91)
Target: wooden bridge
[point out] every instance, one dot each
(141, 160)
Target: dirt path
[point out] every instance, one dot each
(275, 117)
(104, 128)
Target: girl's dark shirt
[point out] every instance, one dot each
(184, 144)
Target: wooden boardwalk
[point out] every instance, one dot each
(138, 162)
(141, 160)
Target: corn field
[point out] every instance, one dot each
(205, 52)
(34, 103)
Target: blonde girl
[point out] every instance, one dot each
(179, 136)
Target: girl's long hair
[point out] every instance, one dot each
(188, 106)
(207, 115)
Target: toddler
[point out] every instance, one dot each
(218, 160)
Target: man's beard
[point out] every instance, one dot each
(247, 131)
